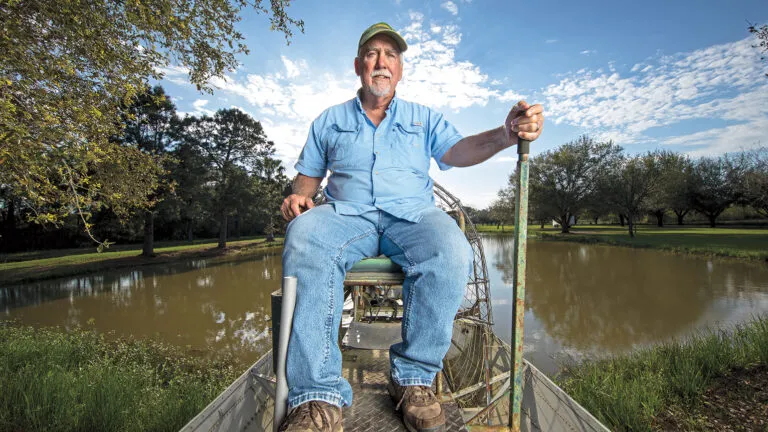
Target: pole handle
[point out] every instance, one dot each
(523, 146)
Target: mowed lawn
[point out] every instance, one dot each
(749, 243)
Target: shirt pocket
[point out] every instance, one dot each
(342, 141)
(408, 150)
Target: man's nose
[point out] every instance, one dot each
(381, 61)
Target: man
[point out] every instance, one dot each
(380, 201)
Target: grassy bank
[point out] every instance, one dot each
(743, 243)
(672, 386)
(55, 380)
(31, 266)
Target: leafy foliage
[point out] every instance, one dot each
(761, 33)
(715, 186)
(629, 183)
(562, 181)
(69, 67)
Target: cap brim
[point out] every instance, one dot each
(396, 37)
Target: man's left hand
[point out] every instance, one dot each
(524, 121)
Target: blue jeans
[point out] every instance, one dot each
(320, 246)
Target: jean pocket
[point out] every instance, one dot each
(408, 147)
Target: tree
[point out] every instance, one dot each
(68, 67)
(191, 175)
(502, 210)
(562, 181)
(628, 184)
(715, 186)
(673, 192)
(761, 33)
(148, 126)
(270, 181)
(233, 145)
(755, 185)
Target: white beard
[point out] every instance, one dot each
(380, 90)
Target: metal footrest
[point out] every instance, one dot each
(372, 335)
(372, 409)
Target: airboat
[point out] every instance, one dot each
(484, 385)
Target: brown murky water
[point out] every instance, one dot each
(582, 300)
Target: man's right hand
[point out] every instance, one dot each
(294, 205)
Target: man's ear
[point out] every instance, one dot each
(357, 66)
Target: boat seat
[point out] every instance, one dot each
(374, 285)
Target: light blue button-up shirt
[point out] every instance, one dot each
(377, 168)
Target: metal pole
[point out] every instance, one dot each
(286, 321)
(518, 306)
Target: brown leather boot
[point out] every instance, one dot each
(422, 411)
(313, 416)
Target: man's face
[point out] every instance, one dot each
(379, 66)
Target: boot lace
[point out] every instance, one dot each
(310, 414)
(417, 396)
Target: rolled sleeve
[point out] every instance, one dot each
(312, 161)
(442, 136)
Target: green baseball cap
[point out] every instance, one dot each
(382, 28)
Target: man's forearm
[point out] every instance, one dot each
(475, 149)
(306, 186)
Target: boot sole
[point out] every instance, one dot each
(411, 428)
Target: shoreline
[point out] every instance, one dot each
(21, 272)
(743, 244)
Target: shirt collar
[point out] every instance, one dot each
(392, 103)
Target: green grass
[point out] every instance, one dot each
(51, 264)
(55, 380)
(745, 243)
(625, 393)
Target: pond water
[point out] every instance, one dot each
(581, 300)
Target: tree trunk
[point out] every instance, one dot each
(712, 220)
(237, 225)
(223, 230)
(631, 226)
(189, 231)
(149, 234)
(621, 219)
(270, 230)
(564, 227)
(542, 224)
(659, 218)
(680, 216)
(596, 218)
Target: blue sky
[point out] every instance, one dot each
(678, 75)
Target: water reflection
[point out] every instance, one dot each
(581, 300)
(592, 300)
(221, 308)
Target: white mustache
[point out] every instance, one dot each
(381, 72)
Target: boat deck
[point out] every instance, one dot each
(373, 410)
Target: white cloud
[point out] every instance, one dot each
(550, 41)
(450, 7)
(718, 82)
(511, 96)
(435, 77)
(588, 52)
(293, 69)
(200, 109)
